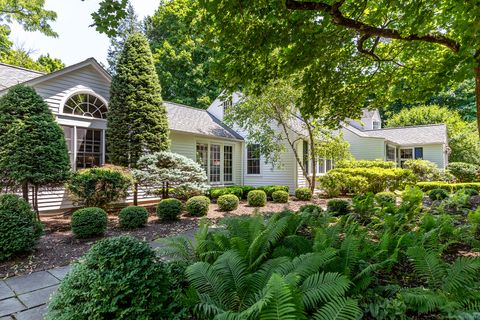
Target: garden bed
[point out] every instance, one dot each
(58, 247)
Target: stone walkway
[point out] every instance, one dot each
(25, 297)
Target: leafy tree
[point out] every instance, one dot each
(182, 57)
(462, 137)
(49, 64)
(171, 170)
(128, 25)
(32, 145)
(21, 57)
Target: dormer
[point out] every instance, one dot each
(222, 103)
(370, 120)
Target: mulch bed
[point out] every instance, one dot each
(58, 247)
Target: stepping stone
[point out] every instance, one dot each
(31, 282)
(37, 313)
(60, 272)
(38, 297)
(9, 306)
(5, 291)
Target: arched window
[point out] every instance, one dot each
(87, 105)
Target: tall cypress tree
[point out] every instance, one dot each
(137, 120)
(33, 150)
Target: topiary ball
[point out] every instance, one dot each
(228, 202)
(198, 206)
(169, 209)
(385, 198)
(338, 206)
(118, 278)
(18, 226)
(438, 194)
(304, 194)
(257, 198)
(133, 217)
(89, 222)
(280, 196)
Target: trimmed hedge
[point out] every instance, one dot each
(280, 196)
(257, 198)
(304, 194)
(451, 187)
(198, 206)
(438, 194)
(19, 229)
(365, 164)
(133, 217)
(269, 190)
(242, 191)
(118, 278)
(228, 202)
(363, 180)
(338, 206)
(169, 209)
(218, 192)
(89, 222)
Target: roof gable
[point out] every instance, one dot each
(13, 75)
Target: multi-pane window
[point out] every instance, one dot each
(306, 160)
(68, 133)
(390, 153)
(419, 153)
(376, 125)
(253, 159)
(228, 163)
(202, 156)
(215, 163)
(405, 154)
(324, 165)
(86, 105)
(227, 104)
(89, 148)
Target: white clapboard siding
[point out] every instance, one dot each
(365, 148)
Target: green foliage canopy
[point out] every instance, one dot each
(137, 119)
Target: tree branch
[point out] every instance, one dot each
(339, 19)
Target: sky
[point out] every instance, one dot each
(76, 40)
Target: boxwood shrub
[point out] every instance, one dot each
(118, 278)
(198, 206)
(365, 164)
(280, 196)
(451, 187)
(246, 190)
(257, 198)
(228, 202)
(338, 206)
(470, 192)
(385, 198)
(133, 217)
(169, 209)
(438, 194)
(304, 194)
(89, 222)
(19, 229)
(269, 190)
(215, 193)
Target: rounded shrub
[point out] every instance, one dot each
(338, 206)
(198, 206)
(228, 202)
(385, 198)
(257, 198)
(133, 217)
(18, 226)
(469, 191)
(280, 196)
(118, 278)
(463, 172)
(89, 222)
(169, 209)
(304, 194)
(438, 194)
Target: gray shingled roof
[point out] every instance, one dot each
(197, 121)
(12, 75)
(415, 135)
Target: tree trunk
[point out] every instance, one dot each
(477, 93)
(25, 191)
(135, 194)
(35, 201)
(314, 158)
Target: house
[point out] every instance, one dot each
(78, 96)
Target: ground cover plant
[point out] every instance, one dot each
(389, 261)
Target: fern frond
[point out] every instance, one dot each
(422, 300)
(282, 306)
(339, 309)
(462, 274)
(307, 264)
(258, 280)
(349, 252)
(178, 248)
(427, 265)
(322, 287)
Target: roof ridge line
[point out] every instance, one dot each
(407, 127)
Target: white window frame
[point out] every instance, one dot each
(77, 92)
(222, 161)
(246, 163)
(74, 144)
(378, 123)
(324, 162)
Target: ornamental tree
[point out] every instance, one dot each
(32, 145)
(171, 170)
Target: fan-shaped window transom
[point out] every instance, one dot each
(87, 105)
